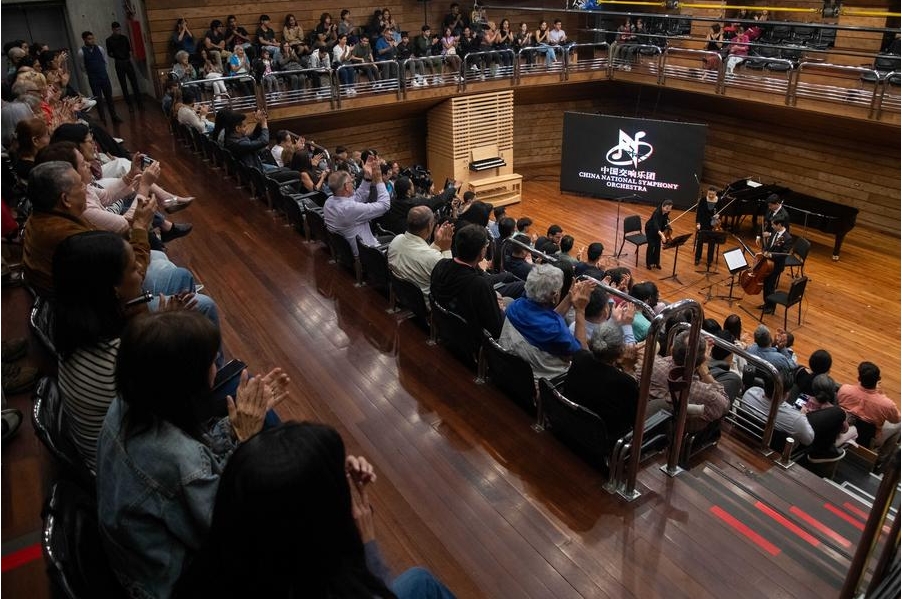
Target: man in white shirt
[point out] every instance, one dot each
(411, 257)
(557, 38)
(349, 212)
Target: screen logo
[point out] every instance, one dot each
(630, 150)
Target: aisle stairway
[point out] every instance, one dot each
(804, 525)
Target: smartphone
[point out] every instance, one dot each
(228, 373)
(146, 161)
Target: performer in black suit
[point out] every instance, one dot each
(779, 242)
(774, 209)
(654, 232)
(705, 216)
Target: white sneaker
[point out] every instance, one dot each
(424, 81)
(87, 104)
(474, 68)
(627, 67)
(351, 92)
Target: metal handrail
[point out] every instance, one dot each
(761, 365)
(762, 86)
(374, 85)
(689, 53)
(606, 63)
(839, 68)
(468, 61)
(628, 488)
(427, 62)
(292, 96)
(234, 103)
(871, 533)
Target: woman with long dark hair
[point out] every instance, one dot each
(159, 460)
(95, 276)
(293, 519)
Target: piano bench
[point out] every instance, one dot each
(498, 191)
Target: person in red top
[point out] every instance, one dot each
(867, 402)
(739, 49)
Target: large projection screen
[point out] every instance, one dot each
(638, 159)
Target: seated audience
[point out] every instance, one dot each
(31, 135)
(866, 402)
(591, 266)
(707, 400)
(646, 292)
(293, 519)
(158, 464)
(519, 261)
(817, 429)
(462, 286)
(498, 212)
(406, 198)
(594, 380)
(720, 365)
(194, 116)
(246, 146)
(348, 211)
(764, 349)
(601, 309)
(105, 208)
(554, 233)
(97, 280)
(411, 256)
(819, 362)
(566, 246)
(183, 71)
(534, 327)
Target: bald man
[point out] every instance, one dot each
(411, 256)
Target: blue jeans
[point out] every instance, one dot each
(164, 277)
(420, 583)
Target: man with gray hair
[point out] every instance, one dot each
(764, 349)
(348, 211)
(411, 257)
(59, 199)
(535, 328)
(707, 399)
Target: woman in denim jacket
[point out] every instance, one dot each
(293, 519)
(158, 464)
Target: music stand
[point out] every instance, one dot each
(676, 242)
(736, 263)
(705, 236)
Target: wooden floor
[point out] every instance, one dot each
(465, 487)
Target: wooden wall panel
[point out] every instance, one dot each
(856, 164)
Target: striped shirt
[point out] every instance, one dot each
(88, 386)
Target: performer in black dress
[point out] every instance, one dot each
(705, 217)
(655, 227)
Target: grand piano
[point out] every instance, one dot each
(749, 198)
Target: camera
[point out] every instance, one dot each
(420, 177)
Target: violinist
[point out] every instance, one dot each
(656, 229)
(706, 219)
(776, 246)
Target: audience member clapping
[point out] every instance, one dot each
(158, 462)
(534, 328)
(293, 519)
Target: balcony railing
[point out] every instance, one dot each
(796, 75)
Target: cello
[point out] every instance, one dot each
(752, 279)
